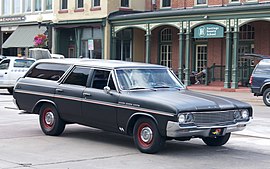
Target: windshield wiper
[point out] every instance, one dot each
(161, 87)
(138, 88)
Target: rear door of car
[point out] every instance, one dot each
(98, 106)
(69, 93)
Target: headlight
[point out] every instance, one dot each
(245, 114)
(185, 118)
(241, 114)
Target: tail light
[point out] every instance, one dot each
(250, 80)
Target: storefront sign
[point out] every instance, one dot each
(209, 31)
(12, 19)
(90, 44)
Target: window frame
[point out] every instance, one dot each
(162, 3)
(78, 3)
(46, 5)
(29, 4)
(110, 76)
(199, 4)
(64, 2)
(14, 9)
(35, 5)
(125, 4)
(6, 11)
(93, 3)
(72, 71)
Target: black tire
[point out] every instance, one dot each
(10, 90)
(217, 141)
(152, 141)
(266, 97)
(49, 120)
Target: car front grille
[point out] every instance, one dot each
(214, 117)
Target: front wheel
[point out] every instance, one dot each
(266, 97)
(50, 122)
(147, 137)
(217, 141)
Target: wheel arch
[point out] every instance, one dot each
(265, 86)
(132, 120)
(40, 103)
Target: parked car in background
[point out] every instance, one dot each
(11, 69)
(260, 80)
(145, 101)
(40, 53)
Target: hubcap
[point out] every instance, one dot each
(268, 97)
(146, 134)
(49, 118)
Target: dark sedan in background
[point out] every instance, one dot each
(145, 101)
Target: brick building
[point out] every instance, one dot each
(188, 34)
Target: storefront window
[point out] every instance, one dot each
(27, 5)
(6, 7)
(37, 5)
(64, 4)
(16, 6)
(79, 4)
(91, 43)
(48, 4)
(124, 45)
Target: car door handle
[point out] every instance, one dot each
(5, 73)
(86, 94)
(59, 90)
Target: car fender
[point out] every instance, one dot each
(38, 105)
(265, 85)
(132, 120)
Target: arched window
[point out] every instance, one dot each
(247, 32)
(166, 47)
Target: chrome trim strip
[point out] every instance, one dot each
(117, 105)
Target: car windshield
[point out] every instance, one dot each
(23, 63)
(133, 79)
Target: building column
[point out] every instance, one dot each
(228, 66)
(235, 55)
(181, 50)
(113, 43)
(148, 45)
(187, 69)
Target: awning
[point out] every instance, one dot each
(23, 36)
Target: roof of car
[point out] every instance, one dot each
(111, 64)
(16, 57)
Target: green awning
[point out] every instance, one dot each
(23, 36)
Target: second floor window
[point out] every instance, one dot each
(96, 3)
(166, 3)
(64, 4)
(201, 2)
(234, 0)
(6, 7)
(79, 4)
(48, 4)
(124, 3)
(16, 6)
(37, 5)
(27, 5)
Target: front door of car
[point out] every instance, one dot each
(4, 65)
(98, 106)
(69, 94)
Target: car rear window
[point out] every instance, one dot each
(263, 67)
(49, 71)
(23, 63)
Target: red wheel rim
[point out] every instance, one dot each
(48, 118)
(145, 135)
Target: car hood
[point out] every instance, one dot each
(183, 101)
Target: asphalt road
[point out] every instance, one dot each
(23, 145)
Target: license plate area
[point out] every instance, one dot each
(216, 132)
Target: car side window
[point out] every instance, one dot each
(102, 78)
(78, 76)
(48, 71)
(4, 64)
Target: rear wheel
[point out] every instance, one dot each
(217, 141)
(50, 122)
(147, 137)
(266, 97)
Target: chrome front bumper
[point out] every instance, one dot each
(174, 130)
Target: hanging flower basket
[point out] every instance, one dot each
(40, 41)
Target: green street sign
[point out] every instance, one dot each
(209, 31)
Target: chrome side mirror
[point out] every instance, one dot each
(107, 89)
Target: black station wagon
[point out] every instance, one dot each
(145, 101)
